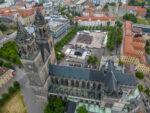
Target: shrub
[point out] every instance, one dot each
(5, 96)
(16, 85)
(139, 75)
(1, 102)
(130, 17)
(8, 65)
(3, 27)
(120, 63)
(140, 87)
(82, 109)
(11, 90)
(1, 62)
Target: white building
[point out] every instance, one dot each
(11, 2)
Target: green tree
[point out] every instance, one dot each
(120, 63)
(130, 17)
(58, 103)
(1, 102)
(3, 27)
(16, 85)
(148, 13)
(140, 87)
(82, 109)
(139, 75)
(5, 96)
(47, 109)
(8, 65)
(89, 60)
(11, 90)
(1, 62)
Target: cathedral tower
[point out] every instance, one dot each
(36, 53)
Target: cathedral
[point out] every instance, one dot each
(105, 87)
(36, 53)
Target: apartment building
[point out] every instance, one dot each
(25, 16)
(94, 18)
(134, 51)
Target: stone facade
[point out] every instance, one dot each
(36, 54)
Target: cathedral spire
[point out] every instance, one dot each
(22, 35)
(39, 19)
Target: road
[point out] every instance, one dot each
(8, 38)
(28, 95)
(110, 11)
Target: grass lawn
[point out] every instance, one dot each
(14, 105)
(142, 21)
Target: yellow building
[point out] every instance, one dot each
(5, 75)
(134, 51)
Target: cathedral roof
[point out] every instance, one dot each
(39, 18)
(22, 35)
(93, 75)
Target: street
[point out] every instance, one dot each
(28, 95)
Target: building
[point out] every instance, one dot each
(95, 18)
(136, 10)
(5, 75)
(58, 25)
(11, 2)
(36, 53)
(48, 7)
(134, 51)
(25, 16)
(104, 87)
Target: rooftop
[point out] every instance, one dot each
(3, 70)
(132, 44)
(92, 75)
(137, 8)
(11, 12)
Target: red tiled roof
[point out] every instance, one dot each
(3, 70)
(137, 8)
(109, 18)
(21, 12)
(130, 45)
(95, 18)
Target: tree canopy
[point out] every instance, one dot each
(82, 109)
(147, 47)
(3, 27)
(9, 52)
(55, 105)
(139, 75)
(130, 17)
(140, 87)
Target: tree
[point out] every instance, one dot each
(8, 65)
(120, 63)
(5, 96)
(82, 109)
(16, 85)
(3, 27)
(11, 90)
(47, 109)
(139, 75)
(1, 102)
(148, 13)
(140, 87)
(58, 103)
(1, 62)
(130, 17)
(147, 47)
